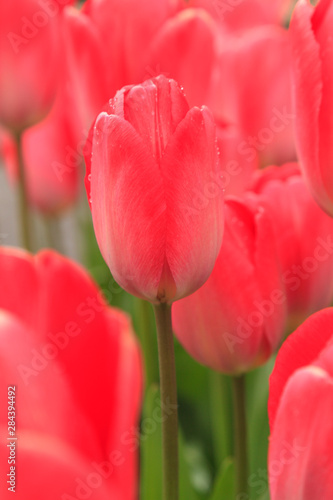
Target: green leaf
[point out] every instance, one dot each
(224, 488)
(151, 454)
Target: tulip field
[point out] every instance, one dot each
(166, 249)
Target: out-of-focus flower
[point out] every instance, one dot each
(300, 408)
(185, 49)
(236, 320)
(52, 162)
(304, 236)
(29, 60)
(76, 367)
(240, 15)
(311, 35)
(127, 28)
(153, 183)
(251, 88)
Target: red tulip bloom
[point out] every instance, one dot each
(304, 236)
(300, 410)
(311, 34)
(153, 181)
(236, 320)
(52, 162)
(29, 60)
(76, 367)
(252, 88)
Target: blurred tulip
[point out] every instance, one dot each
(127, 28)
(238, 170)
(300, 410)
(52, 162)
(236, 320)
(71, 358)
(185, 49)
(311, 35)
(251, 87)
(85, 76)
(304, 236)
(153, 183)
(29, 60)
(240, 15)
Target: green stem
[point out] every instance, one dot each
(240, 434)
(221, 415)
(146, 331)
(22, 196)
(168, 386)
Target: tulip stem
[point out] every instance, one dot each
(240, 435)
(22, 196)
(169, 405)
(148, 341)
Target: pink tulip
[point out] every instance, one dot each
(127, 28)
(29, 60)
(240, 15)
(182, 41)
(304, 236)
(300, 410)
(236, 320)
(52, 162)
(251, 87)
(76, 366)
(153, 183)
(311, 34)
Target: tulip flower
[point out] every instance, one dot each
(70, 357)
(127, 29)
(153, 181)
(236, 320)
(300, 409)
(52, 162)
(252, 89)
(311, 35)
(304, 236)
(180, 43)
(29, 60)
(240, 15)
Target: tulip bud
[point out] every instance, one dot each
(304, 237)
(236, 320)
(300, 461)
(29, 60)
(311, 34)
(152, 165)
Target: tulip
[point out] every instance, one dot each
(70, 356)
(300, 407)
(251, 88)
(153, 180)
(29, 60)
(311, 35)
(304, 236)
(180, 43)
(127, 29)
(240, 15)
(52, 162)
(236, 320)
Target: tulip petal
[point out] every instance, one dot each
(312, 336)
(300, 454)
